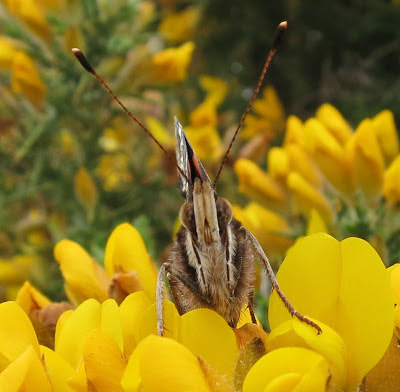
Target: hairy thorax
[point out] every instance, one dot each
(223, 286)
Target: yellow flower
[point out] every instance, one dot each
(367, 160)
(330, 156)
(259, 185)
(25, 80)
(180, 26)
(86, 191)
(113, 169)
(7, 52)
(385, 376)
(316, 224)
(269, 111)
(174, 368)
(171, 64)
(307, 197)
(206, 142)
(14, 271)
(31, 15)
(289, 369)
(270, 229)
(394, 272)
(332, 119)
(391, 184)
(189, 338)
(301, 162)
(204, 115)
(216, 89)
(160, 133)
(21, 366)
(278, 164)
(84, 278)
(295, 132)
(126, 260)
(386, 135)
(128, 268)
(294, 333)
(345, 286)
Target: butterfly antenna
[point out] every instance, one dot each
(278, 38)
(85, 64)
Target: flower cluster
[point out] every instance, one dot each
(329, 177)
(108, 342)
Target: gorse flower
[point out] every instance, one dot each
(348, 178)
(344, 287)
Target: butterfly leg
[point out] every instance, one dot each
(169, 271)
(275, 286)
(251, 308)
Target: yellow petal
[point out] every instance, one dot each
(85, 190)
(258, 185)
(78, 381)
(391, 185)
(26, 374)
(331, 157)
(174, 368)
(29, 298)
(16, 332)
(294, 132)
(345, 285)
(307, 197)
(61, 322)
(26, 80)
(204, 115)
(334, 122)
(270, 107)
(178, 27)
(57, 369)
(216, 89)
(301, 162)
(125, 251)
(205, 141)
(17, 269)
(31, 15)
(7, 53)
(71, 339)
(104, 362)
(84, 278)
(386, 134)
(110, 321)
(148, 323)
(171, 64)
(271, 230)
(367, 160)
(394, 272)
(132, 310)
(217, 346)
(294, 333)
(278, 163)
(316, 224)
(157, 128)
(288, 369)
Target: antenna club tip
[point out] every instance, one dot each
(283, 25)
(279, 34)
(82, 59)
